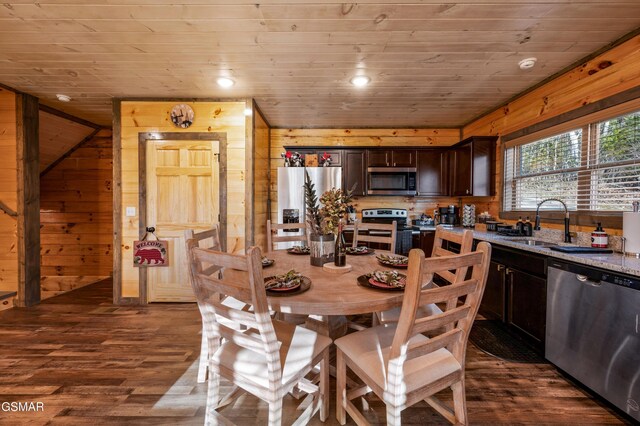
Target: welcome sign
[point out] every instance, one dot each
(150, 253)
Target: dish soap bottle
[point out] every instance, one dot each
(599, 238)
(520, 226)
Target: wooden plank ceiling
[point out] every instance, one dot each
(431, 63)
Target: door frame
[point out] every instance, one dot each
(143, 138)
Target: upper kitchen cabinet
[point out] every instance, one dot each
(432, 172)
(472, 167)
(391, 158)
(354, 171)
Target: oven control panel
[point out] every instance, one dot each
(385, 213)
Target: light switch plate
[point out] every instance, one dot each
(130, 211)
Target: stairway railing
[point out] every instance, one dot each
(8, 210)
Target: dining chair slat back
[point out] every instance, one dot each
(273, 237)
(264, 357)
(413, 366)
(209, 238)
(390, 228)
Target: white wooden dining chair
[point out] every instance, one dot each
(270, 357)
(402, 366)
(273, 237)
(210, 239)
(443, 235)
(375, 237)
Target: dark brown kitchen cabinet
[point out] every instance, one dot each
(379, 158)
(403, 158)
(527, 307)
(426, 242)
(516, 293)
(391, 158)
(432, 172)
(460, 170)
(493, 300)
(355, 171)
(472, 167)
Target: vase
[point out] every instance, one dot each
(322, 248)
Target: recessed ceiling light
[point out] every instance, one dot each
(248, 112)
(527, 63)
(63, 98)
(360, 80)
(225, 82)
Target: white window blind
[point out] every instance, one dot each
(592, 168)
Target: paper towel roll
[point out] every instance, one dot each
(631, 231)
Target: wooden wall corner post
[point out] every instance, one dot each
(117, 204)
(28, 166)
(249, 184)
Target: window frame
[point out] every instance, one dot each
(586, 118)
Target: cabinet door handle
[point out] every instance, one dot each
(410, 158)
(508, 271)
(394, 164)
(467, 191)
(500, 267)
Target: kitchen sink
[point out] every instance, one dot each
(531, 242)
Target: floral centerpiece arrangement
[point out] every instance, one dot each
(323, 220)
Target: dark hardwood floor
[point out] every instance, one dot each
(90, 362)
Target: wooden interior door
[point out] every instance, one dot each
(182, 193)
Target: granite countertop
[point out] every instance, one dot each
(613, 262)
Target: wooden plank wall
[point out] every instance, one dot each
(153, 116)
(261, 175)
(76, 218)
(8, 192)
(607, 74)
(365, 138)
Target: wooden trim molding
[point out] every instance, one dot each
(143, 137)
(117, 204)
(28, 155)
(583, 114)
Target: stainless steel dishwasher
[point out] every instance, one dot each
(593, 330)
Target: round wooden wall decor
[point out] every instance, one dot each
(182, 116)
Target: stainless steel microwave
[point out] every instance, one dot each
(391, 181)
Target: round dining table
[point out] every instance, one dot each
(331, 295)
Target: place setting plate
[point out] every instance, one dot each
(359, 251)
(299, 250)
(393, 261)
(266, 262)
(288, 284)
(383, 280)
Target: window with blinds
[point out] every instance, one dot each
(592, 168)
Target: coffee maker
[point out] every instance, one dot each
(449, 215)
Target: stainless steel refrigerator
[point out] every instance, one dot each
(291, 198)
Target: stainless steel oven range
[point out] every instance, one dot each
(382, 215)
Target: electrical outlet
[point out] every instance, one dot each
(130, 211)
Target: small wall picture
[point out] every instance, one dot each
(311, 160)
(182, 116)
